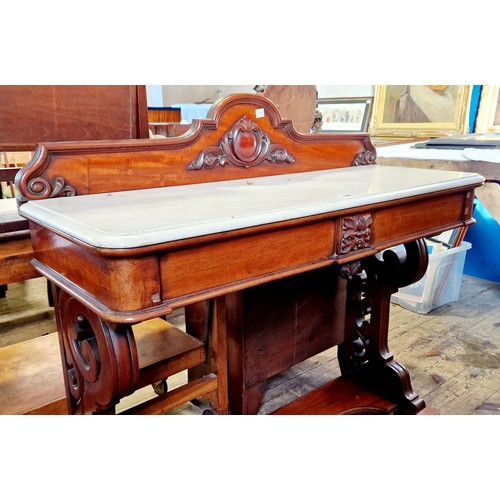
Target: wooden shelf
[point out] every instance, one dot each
(165, 350)
(31, 378)
(342, 396)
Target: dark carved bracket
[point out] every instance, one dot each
(356, 233)
(365, 158)
(350, 269)
(245, 145)
(41, 188)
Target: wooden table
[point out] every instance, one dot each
(138, 254)
(483, 161)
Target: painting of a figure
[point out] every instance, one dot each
(420, 110)
(425, 104)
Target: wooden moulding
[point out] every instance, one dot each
(109, 277)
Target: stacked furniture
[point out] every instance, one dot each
(31, 114)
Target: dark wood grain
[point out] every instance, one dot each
(31, 114)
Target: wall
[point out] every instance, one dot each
(180, 94)
(168, 95)
(325, 91)
(154, 96)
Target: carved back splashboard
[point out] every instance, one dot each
(244, 136)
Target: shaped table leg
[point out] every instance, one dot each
(365, 354)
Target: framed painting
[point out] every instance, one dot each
(488, 115)
(420, 110)
(345, 114)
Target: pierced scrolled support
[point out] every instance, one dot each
(100, 358)
(406, 264)
(365, 354)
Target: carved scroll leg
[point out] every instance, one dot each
(365, 354)
(100, 361)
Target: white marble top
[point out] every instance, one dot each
(138, 218)
(409, 151)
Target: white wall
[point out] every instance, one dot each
(180, 94)
(167, 95)
(345, 91)
(154, 96)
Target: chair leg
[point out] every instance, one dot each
(50, 295)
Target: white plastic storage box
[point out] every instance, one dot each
(440, 284)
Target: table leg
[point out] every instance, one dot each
(206, 321)
(365, 355)
(270, 328)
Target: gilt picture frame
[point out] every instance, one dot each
(488, 115)
(420, 110)
(345, 114)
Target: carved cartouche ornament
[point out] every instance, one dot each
(245, 145)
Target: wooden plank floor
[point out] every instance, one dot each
(452, 353)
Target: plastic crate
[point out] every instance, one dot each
(440, 284)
